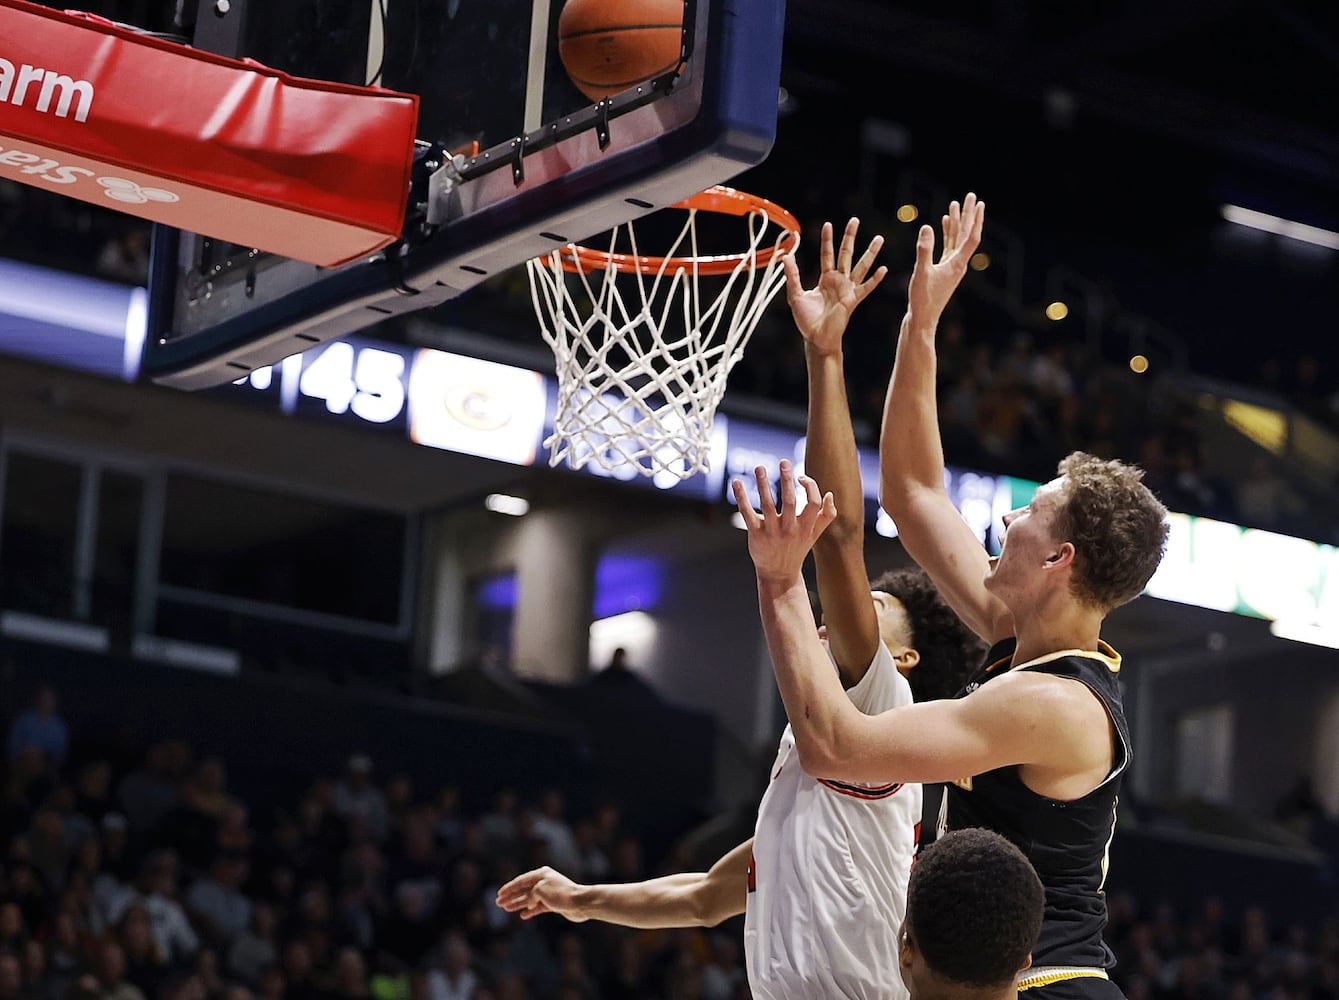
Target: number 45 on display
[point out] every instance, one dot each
(368, 381)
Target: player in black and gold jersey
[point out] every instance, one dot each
(1035, 747)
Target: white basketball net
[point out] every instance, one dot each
(639, 382)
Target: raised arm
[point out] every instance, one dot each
(911, 458)
(822, 314)
(1042, 722)
(691, 899)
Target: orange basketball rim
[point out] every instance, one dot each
(718, 200)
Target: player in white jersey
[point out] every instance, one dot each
(823, 881)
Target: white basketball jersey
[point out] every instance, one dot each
(828, 876)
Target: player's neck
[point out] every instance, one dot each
(942, 989)
(1053, 625)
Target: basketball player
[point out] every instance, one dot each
(974, 908)
(1035, 747)
(823, 882)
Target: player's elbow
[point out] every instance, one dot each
(840, 535)
(819, 758)
(714, 911)
(713, 905)
(896, 494)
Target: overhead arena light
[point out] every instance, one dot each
(1299, 231)
(500, 503)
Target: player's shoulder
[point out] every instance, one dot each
(1031, 694)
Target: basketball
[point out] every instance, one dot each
(610, 45)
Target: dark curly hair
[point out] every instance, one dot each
(974, 908)
(949, 651)
(1117, 526)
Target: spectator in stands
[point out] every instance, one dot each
(13, 933)
(38, 981)
(41, 730)
(448, 825)
(297, 973)
(93, 790)
(620, 680)
(549, 825)
(48, 848)
(216, 901)
(400, 804)
(253, 950)
(206, 973)
(454, 979)
(408, 930)
(146, 965)
(111, 969)
(172, 931)
(350, 975)
(149, 793)
(356, 796)
(273, 985)
(234, 833)
(11, 977)
(206, 791)
(501, 824)
(1264, 498)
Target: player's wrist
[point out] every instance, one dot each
(581, 902)
(920, 323)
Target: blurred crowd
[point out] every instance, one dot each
(1205, 954)
(151, 879)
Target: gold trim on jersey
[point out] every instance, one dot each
(1103, 652)
(1049, 974)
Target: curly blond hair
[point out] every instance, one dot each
(1117, 526)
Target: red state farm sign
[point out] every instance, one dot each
(314, 171)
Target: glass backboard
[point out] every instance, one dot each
(512, 161)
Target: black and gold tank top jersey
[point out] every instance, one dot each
(1067, 842)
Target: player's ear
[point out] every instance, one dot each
(1063, 555)
(907, 659)
(1027, 963)
(905, 949)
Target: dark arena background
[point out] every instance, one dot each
(302, 675)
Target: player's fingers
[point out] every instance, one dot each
(746, 511)
(792, 271)
(829, 511)
(954, 226)
(847, 250)
(968, 221)
(925, 246)
(813, 499)
(521, 883)
(787, 490)
(977, 224)
(825, 255)
(866, 260)
(765, 502)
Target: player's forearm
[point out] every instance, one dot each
(681, 900)
(818, 710)
(910, 453)
(830, 455)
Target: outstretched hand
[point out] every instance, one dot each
(781, 537)
(933, 283)
(822, 312)
(540, 891)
